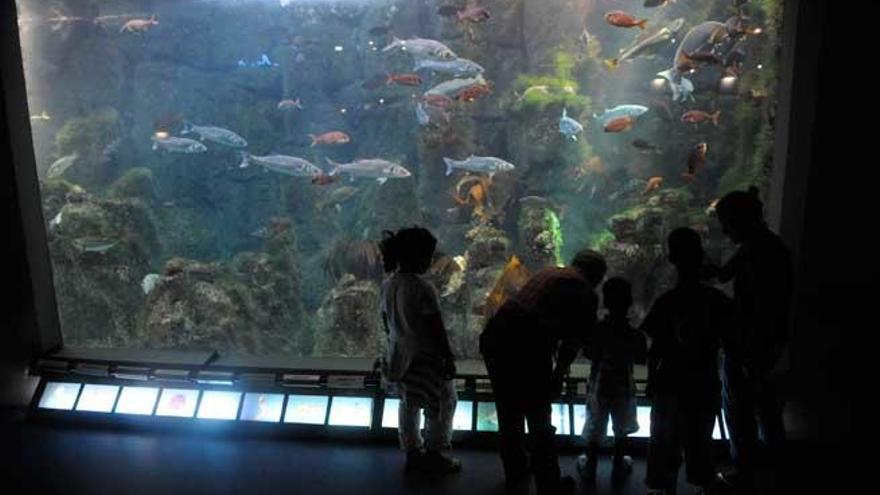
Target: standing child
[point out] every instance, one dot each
(616, 347)
(419, 364)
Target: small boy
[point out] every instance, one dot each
(616, 346)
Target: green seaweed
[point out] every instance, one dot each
(602, 239)
(87, 135)
(555, 229)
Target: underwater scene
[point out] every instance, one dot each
(216, 174)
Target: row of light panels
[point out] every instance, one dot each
(269, 407)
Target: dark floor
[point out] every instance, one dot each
(56, 459)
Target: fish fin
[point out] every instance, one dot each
(715, 117)
(612, 64)
(382, 180)
(338, 208)
(245, 160)
(395, 42)
(449, 165)
(642, 24)
(314, 140)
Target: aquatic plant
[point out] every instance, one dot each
(554, 228)
(602, 239)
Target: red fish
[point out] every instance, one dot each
(332, 137)
(696, 161)
(325, 179)
(699, 116)
(472, 93)
(404, 79)
(473, 14)
(623, 19)
(620, 124)
(437, 100)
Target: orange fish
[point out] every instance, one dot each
(325, 179)
(139, 25)
(698, 116)
(472, 93)
(620, 124)
(437, 100)
(477, 194)
(654, 183)
(513, 277)
(623, 19)
(404, 79)
(332, 137)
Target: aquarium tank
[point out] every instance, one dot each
(216, 174)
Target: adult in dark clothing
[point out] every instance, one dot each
(686, 326)
(528, 346)
(762, 283)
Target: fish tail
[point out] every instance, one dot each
(334, 171)
(395, 42)
(715, 117)
(642, 24)
(450, 165)
(612, 64)
(245, 159)
(187, 127)
(314, 140)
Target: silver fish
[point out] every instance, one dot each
(149, 282)
(370, 168)
(647, 46)
(94, 244)
(455, 86)
(283, 164)
(61, 165)
(421, 115)
(178, 145)
(422, 48)
(620, 111)
(56, 221)
(460, 67)
(483, 164)
(217, 135)
(697, 40)
(569, 126)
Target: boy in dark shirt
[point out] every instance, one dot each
(615, 347)
(686, 326)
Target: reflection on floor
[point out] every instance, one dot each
(48, 459)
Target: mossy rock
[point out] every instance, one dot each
(136, 183)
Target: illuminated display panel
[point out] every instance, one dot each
(137, 400)
(460, 422)
(218, 404)
(643, 416)
(351, 411)
(262, 407)
(487, 417)
(178, 402)
(97, 398)
(306, 409)
(559, 419)
(59, 395)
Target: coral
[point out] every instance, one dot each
(347, 323)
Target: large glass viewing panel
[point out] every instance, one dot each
(215, 174)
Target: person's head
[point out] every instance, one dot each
(741, 213)
(591, 264)
(409, 250)
(617, 295)
(686, 250)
